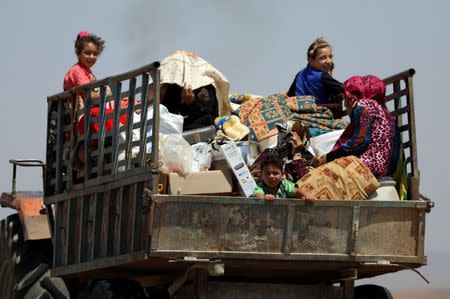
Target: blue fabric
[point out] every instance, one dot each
(309, 82)
(362, 135)
(360, 139)
(316, 132)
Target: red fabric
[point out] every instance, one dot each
(95, 126)
(364, 87)
(77, 75)
(123, 104)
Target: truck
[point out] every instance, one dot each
(105, 230)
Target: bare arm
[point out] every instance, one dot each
(259, 195)
(302, 194)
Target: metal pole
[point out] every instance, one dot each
(13, 188)
(155, 132)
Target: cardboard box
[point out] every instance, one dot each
(239, 168)
(202, 182)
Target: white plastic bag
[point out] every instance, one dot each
(169, 123)
(202, 156)
(175, 154)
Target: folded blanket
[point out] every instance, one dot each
(343, 178)
(261, 115)
(301, 104)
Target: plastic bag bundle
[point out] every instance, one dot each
(175, 154)
(169, 123)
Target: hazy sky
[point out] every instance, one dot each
(258, 46)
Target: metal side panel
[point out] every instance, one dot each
(240, 228)
(387, 231)
(101, 225)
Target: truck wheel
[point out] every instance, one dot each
(116, 289)
(372, 291)
(24, 265)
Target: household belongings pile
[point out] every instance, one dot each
(221, 166)
(216, 159)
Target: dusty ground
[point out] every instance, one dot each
(419, 294)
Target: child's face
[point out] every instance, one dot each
(272, 175)
(323, 61)
(88, 55)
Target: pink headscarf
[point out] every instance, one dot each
(364, 87)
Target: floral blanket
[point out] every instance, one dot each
(261, 115)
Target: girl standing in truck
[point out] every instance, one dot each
(316, 78)
(88, 48)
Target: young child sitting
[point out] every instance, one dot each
(273, 182)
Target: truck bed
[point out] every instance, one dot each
(111, 224)
(291, 240)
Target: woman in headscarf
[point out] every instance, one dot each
(316, 78)
(193, 88)
(371, 134)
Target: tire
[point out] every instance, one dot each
(372, 291)
(25, 265)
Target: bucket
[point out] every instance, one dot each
(386, 191)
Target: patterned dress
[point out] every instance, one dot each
(370, 136)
